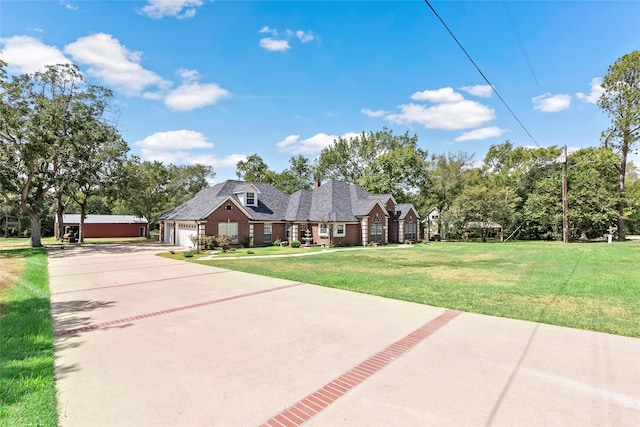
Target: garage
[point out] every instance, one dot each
(185, 231)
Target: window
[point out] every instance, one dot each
(410, 231)
(376, 233)
(339, 230)
(267, 232)
(228, 230)
(251, 198)
(287, 232)
(323, 231)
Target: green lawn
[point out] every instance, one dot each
(592, 286)
(27, 381)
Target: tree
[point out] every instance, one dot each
(95, 165)
(380, 162)
(147, 191)
(254, 169)
(448, 173)
(185, 181)
(515, 169)
(621, 101)
(42, 116)
(299, 175)
(485, 205)
(592, 194)
(151, 188)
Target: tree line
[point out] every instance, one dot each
(61, 152)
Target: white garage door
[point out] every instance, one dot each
(185, 231)
(168, 232)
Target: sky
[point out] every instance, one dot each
(212, 82)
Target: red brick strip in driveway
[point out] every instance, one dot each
(167, 311)
(307, 408)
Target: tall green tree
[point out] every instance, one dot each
(485, 205)
(96, 162)
(449, 173)
(152, 188)
(254, 169)
(42, 118)
(621, 101)
(186, 180)
(380, 162)
(147, 191)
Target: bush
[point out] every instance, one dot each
(276, 242)
(246, 241)
(250, 252)
(295, 243)
(187, 254)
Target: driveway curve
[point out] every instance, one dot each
(143, 340)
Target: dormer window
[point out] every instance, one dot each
(248, 195)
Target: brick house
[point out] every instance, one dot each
(258, 214)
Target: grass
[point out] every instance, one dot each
(589, 286)
(242, 252)
(21, 242)
(27, 380)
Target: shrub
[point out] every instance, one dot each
(187, 254)
(295, 243)
(246, 241)
(276, 242)
(250, 252)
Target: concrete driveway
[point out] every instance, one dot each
(147, 341)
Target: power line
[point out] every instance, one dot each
(514, 26)
(481, 73)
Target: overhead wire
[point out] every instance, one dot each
(481, 73)
(514, 26)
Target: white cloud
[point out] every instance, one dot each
(174, 140)
(305, 37)
(596, 91)
(279, 40)
(273, 45)
(182, 147)
(484, 91)
(181, 9)
(438, 96)
(482, 133)
(191, 94)
(269, 30)
(464, 114)
(315, 144)
(372, 113)
(26, 55)
(549, 103)
(113, 63)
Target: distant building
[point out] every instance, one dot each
(106, 225)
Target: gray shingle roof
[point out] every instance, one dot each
(402, 209)
(334, 201)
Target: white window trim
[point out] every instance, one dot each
(335, 229)
(324, 233)
(255, 198)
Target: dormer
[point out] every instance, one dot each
(248, 195)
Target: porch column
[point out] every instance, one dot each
(251, 234)
(294, 232)
(386, 229)
(401, 231)
(365, 230)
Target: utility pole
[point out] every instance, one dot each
(565, 202)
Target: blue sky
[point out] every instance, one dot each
(215, 81)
